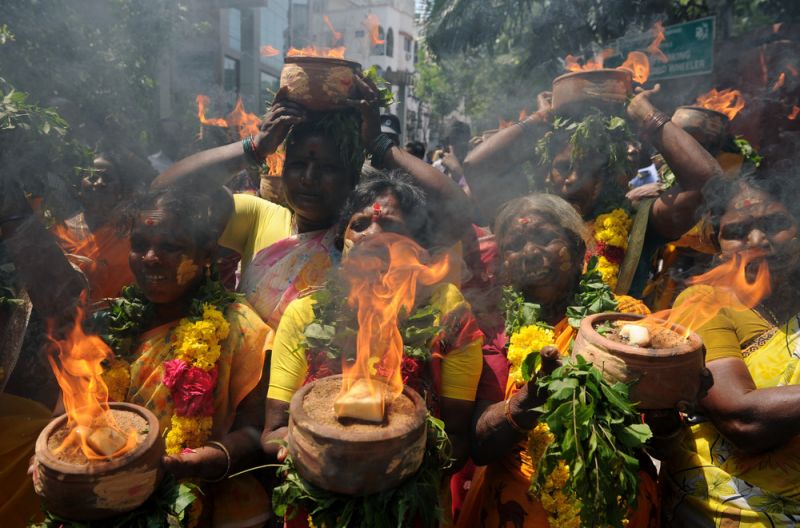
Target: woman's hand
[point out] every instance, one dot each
(207, 463)
(551, 360)
(640, 107)
(544, 103)
(366, 99)
(279, 119)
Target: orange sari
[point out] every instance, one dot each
(498, 495)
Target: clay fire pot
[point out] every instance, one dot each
(708, 127)
(355, 463)
(319, 83)
(663, 378)
(100, 489)
(606, 90)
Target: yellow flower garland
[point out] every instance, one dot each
(611, 230)
(527, 340)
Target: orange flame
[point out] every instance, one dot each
(658, 37)
(269, 51)
(502, 123)
(523, 114)
(795, 112)
(572, 64)
(729, 102)
(383, 274)
(312, 51)
(337, 36)
(732, 284)
(779, 83)
(245, 124)
(373, 24)
(78, 370)
(638, 64)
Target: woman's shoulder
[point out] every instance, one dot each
(446, 296)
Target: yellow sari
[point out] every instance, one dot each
(709, 484)
(239, 502)
(498, 494)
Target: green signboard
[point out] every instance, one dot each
(688, 46)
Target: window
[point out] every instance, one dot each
(390, 43)
(407, 44)
(235, 29)
(230, 75)
(379, 49)
(274, 24)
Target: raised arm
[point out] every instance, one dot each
(449, 204)
(211, 168)
(673, 213)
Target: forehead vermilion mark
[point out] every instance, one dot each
(524, 220)
(151, 218)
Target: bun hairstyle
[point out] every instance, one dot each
(411, 199)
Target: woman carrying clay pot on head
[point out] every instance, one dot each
(739, 461)
(285, 251)
(594, 180)
(446, 370)
(187, 350)
(541, 246)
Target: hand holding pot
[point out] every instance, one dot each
(366, 99)
(279, 119)
(544, 102)
(640, 109)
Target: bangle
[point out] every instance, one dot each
(510, 419)
(654, 121)
(249, 148)
(378, 149)
(221, 446)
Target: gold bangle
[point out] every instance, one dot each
(224, 449)
(510, 419)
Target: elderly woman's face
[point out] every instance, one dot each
(537, 259)
(757, 223)
(315, 180)
(383, 216)
(579, 185)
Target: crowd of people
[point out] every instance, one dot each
(147, 244)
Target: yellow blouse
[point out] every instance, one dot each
(461, 367)
(255, 224)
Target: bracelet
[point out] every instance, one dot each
(249, 148)
(224, 449)
(654, 121)
(378, 149)
(510, 419)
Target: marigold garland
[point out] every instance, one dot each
(563, 510)
(611, 232)
(529, 339)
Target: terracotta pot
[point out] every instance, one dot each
(708, 127)
(662, 378)
(319, 83)
(607, 90)
(100, 489)
(355, 463)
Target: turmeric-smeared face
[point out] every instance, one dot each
(164, 258)
(537, 259)
(755, 222)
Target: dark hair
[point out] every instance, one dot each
(778, 181)
(410, 197)
(343, 128)
(555, 210)
(197, 211)
(416, 148)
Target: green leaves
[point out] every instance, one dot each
(385, 94)
(518, 311)
(598, 433)
(593, 296)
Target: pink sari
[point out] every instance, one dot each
(278, 274)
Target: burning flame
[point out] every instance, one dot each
(269, 51)
(795, 112)
(383, 274)
(658, 37)
(245, 124)
(638, 64)
(730, 287)
(571, 62)
(373, 25)
(779, 83)
(337, 36)
(312, 51)
(502, 123)
(78, 370)
(729, 102)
